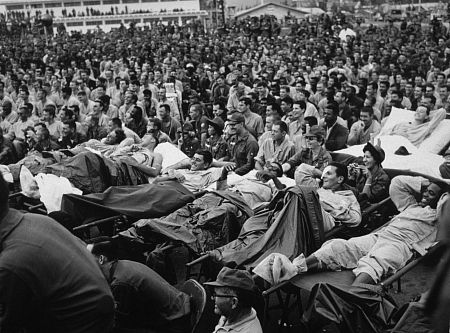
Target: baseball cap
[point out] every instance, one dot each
(236, 117)
(233, 278)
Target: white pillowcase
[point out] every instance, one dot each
(396, 116)
(438, 139)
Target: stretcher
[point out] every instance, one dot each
(292, 295)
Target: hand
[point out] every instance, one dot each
(264, 176)
(230, 166)
(365, 171)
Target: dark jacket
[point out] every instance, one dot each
(49, 282)
(337, 139)
(242, 151)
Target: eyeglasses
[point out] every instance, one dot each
(311, 138)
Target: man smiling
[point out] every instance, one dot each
(387, 250)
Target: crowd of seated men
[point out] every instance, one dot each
(253, 113)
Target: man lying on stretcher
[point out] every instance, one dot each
(198, 174)
(388, 249)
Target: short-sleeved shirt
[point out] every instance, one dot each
(199, 180)
(358, 135)
(248, 324)
(306, 156)
(254, 124)
(268, 152)
(55, 129)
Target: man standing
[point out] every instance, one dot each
(41, 290)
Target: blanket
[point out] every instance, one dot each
(135, 202)
(419, 161)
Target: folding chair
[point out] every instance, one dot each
(198, 300)
(303, 284)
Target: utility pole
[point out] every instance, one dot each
(221, 5)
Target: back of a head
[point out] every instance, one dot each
(341, 170)
(104, 246)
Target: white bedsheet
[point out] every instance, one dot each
(419, 161)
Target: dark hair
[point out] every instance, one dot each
(341, 170)
(207, 156)
(302, 104)
(72, 124)
(367, 109)
(116, 121)
(105, 100)
(311, 120)
(51, 110)
(137, 114)
(282, 124)
(246, 100)
(373, 84)
(275, 107)
(375, 153)
(120, 135)
(67, 90)
(104, 246)
(385, 83)
(280, 169)
(288, 100)
(45, 132)
(432, 98)
(156, 122)
(333, 106)
(166, 107)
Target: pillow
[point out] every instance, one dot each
(396, 116)
(170, 153)
(439, 138)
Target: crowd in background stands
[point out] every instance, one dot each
(76, 87)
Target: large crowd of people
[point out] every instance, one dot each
(246, 100)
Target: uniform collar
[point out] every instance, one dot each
(9, 223)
